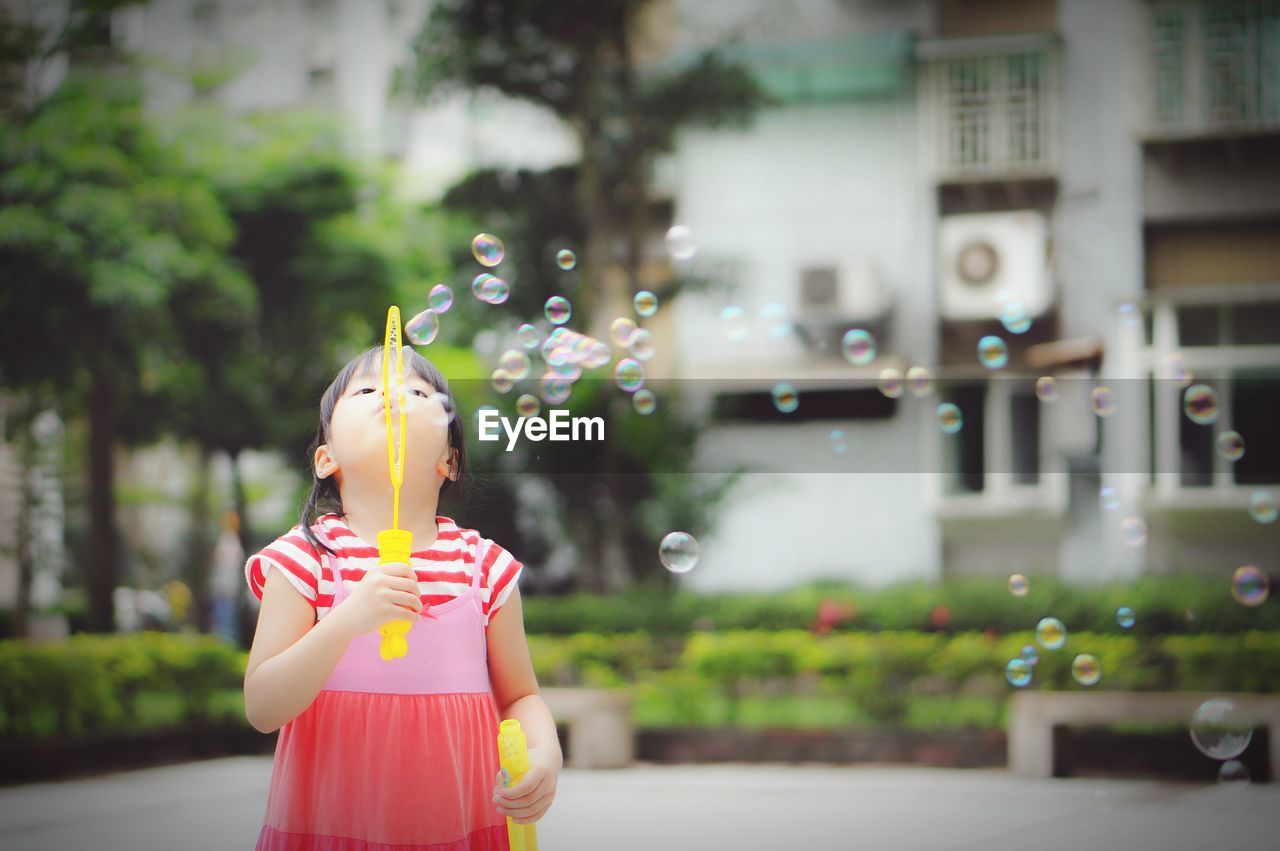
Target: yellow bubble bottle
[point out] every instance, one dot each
(394, 545)
(513, 756)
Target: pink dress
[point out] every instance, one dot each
(396, 755)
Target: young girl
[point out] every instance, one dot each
(399, 753)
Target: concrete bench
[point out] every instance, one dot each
(1034, 714)
(599, 722)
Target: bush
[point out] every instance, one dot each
(90, 683)
(882, 675)
(1164, 606)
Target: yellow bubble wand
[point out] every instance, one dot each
(513, 757)
(394, 544)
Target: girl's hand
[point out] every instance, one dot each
(387, 592)
(527, 801)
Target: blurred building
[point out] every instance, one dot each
(1110, 166)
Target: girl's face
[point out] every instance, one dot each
(357, 446)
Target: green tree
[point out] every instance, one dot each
(580, 60)
(103, 236)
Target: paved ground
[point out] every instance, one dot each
(218, 804)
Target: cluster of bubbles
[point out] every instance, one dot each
(490, 288)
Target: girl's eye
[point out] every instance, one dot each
(424, 394)
(364, 390)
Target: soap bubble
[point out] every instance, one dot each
(488, 249)
(1018, 585)
(1263, 508)
(557, 310)
(598, 354)
(644, 401)
(1134, 531)
(1220, 729)
(1046, 388)
(678, 552)
(836, 437)
(440, 298)
(680, 243)
(950, 420)
(859, 347)
(993, 353)
(1107, 498)
(515, 363)
(919, 381)
(1102, 401)
(528, 336)
(494, 291)
(629, 374)
(1051, 633)
(1231, 445)
(501, 381)
(554, 389)
(1029, 654)
(1018, 672)
(1234, 773)
(566, 259)
(785, 397)
(422, 329)
(734, 321)
(645, 303)
(1250, 586)
(1085, 669)
(477, 285)
(527, 405)
(1125, 617)
(641, 344)
(1014, 318)
(621, 331)
(775, 320)
(1200, 404)
(891, 383)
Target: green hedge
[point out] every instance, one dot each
(1164, 606)
(884, 677)
(92, 683)
(89, 683)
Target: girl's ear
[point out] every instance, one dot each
(447, 466)
(324, 463)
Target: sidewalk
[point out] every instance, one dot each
(218, 804)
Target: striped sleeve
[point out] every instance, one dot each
(296, 559)
(500, 576)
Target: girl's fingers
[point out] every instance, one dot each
(532, 807)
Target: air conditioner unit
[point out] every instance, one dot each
(845, 292)
(986, 259)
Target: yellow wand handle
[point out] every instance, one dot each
(513, 756)
(394, 545)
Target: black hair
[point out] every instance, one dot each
(324, 493)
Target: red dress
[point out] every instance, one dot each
(396, 755)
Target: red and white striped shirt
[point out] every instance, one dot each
(444, 569)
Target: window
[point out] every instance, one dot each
(1214, 63)
(992, 111)
(964, 453)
